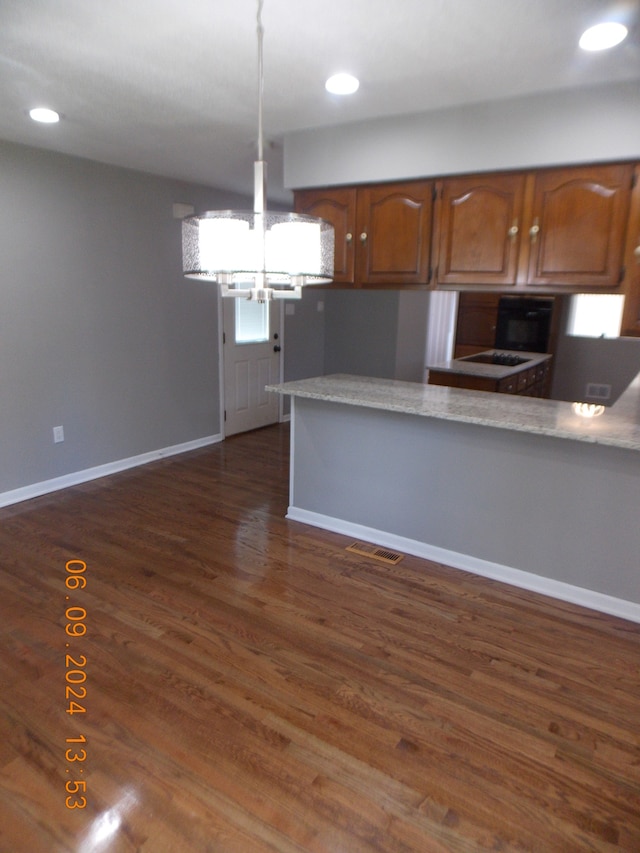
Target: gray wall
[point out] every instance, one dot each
(411, 337)
(573, 126)
(377, 333)
(304, 335)
(579, 361)
(558, 509)
(361, 332)
(366, 333)
(99, 331)
(304, 331)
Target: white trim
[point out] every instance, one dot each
(221, 366)
(36, 489)
(505, 574)
(281, 341)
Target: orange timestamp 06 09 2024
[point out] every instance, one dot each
(75, 683)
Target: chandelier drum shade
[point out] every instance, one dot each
(276, 249)
(258, 254)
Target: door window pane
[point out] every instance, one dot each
(252, 321)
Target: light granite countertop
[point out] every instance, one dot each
(491, 371)
(618, 426)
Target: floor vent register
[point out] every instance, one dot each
(375, 552)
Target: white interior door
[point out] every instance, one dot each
(251, 337)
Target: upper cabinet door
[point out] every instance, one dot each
(631, 316)
(393, 237)
(337, 206)
(577, 226)
(480, 217)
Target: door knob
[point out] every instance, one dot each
(277, 348)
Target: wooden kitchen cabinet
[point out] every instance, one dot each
(394, 233)
(631, 315)
(382, 232)
(479, 217)
(524, 381)
(576, 223)
(476, 323)
(552, 230)
(338, 206)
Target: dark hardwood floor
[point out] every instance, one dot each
(249, 685)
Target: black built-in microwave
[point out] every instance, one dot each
(523, 323)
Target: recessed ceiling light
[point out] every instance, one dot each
(44, 115)
(342, 84)
(603, 36)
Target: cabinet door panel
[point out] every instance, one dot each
(394, 233)
(480, 217)
(337, 206)
(477, 319)
(580, 214)
(631, 317)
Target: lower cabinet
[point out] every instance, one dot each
(531, 382)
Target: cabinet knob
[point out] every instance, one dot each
(636, 253)
(363, 237)
(513, 231)
(534, 230)
(348, 236)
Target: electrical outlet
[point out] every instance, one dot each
(58, 434)
(320, 306)
(598, 391)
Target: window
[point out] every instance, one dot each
(252, 321)
(595, 315)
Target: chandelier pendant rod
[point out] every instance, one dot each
(260, 166)
(234, 247)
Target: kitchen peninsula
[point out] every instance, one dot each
(519, 489)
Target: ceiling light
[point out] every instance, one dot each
(44, 115)
(603, 36)
(342, 84)
(258, 255)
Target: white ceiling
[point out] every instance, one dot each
(169, 86)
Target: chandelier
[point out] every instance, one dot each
(258, 254)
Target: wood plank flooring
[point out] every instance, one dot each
(252, 686)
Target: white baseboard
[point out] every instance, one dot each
(524, 580)
(36, 489)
